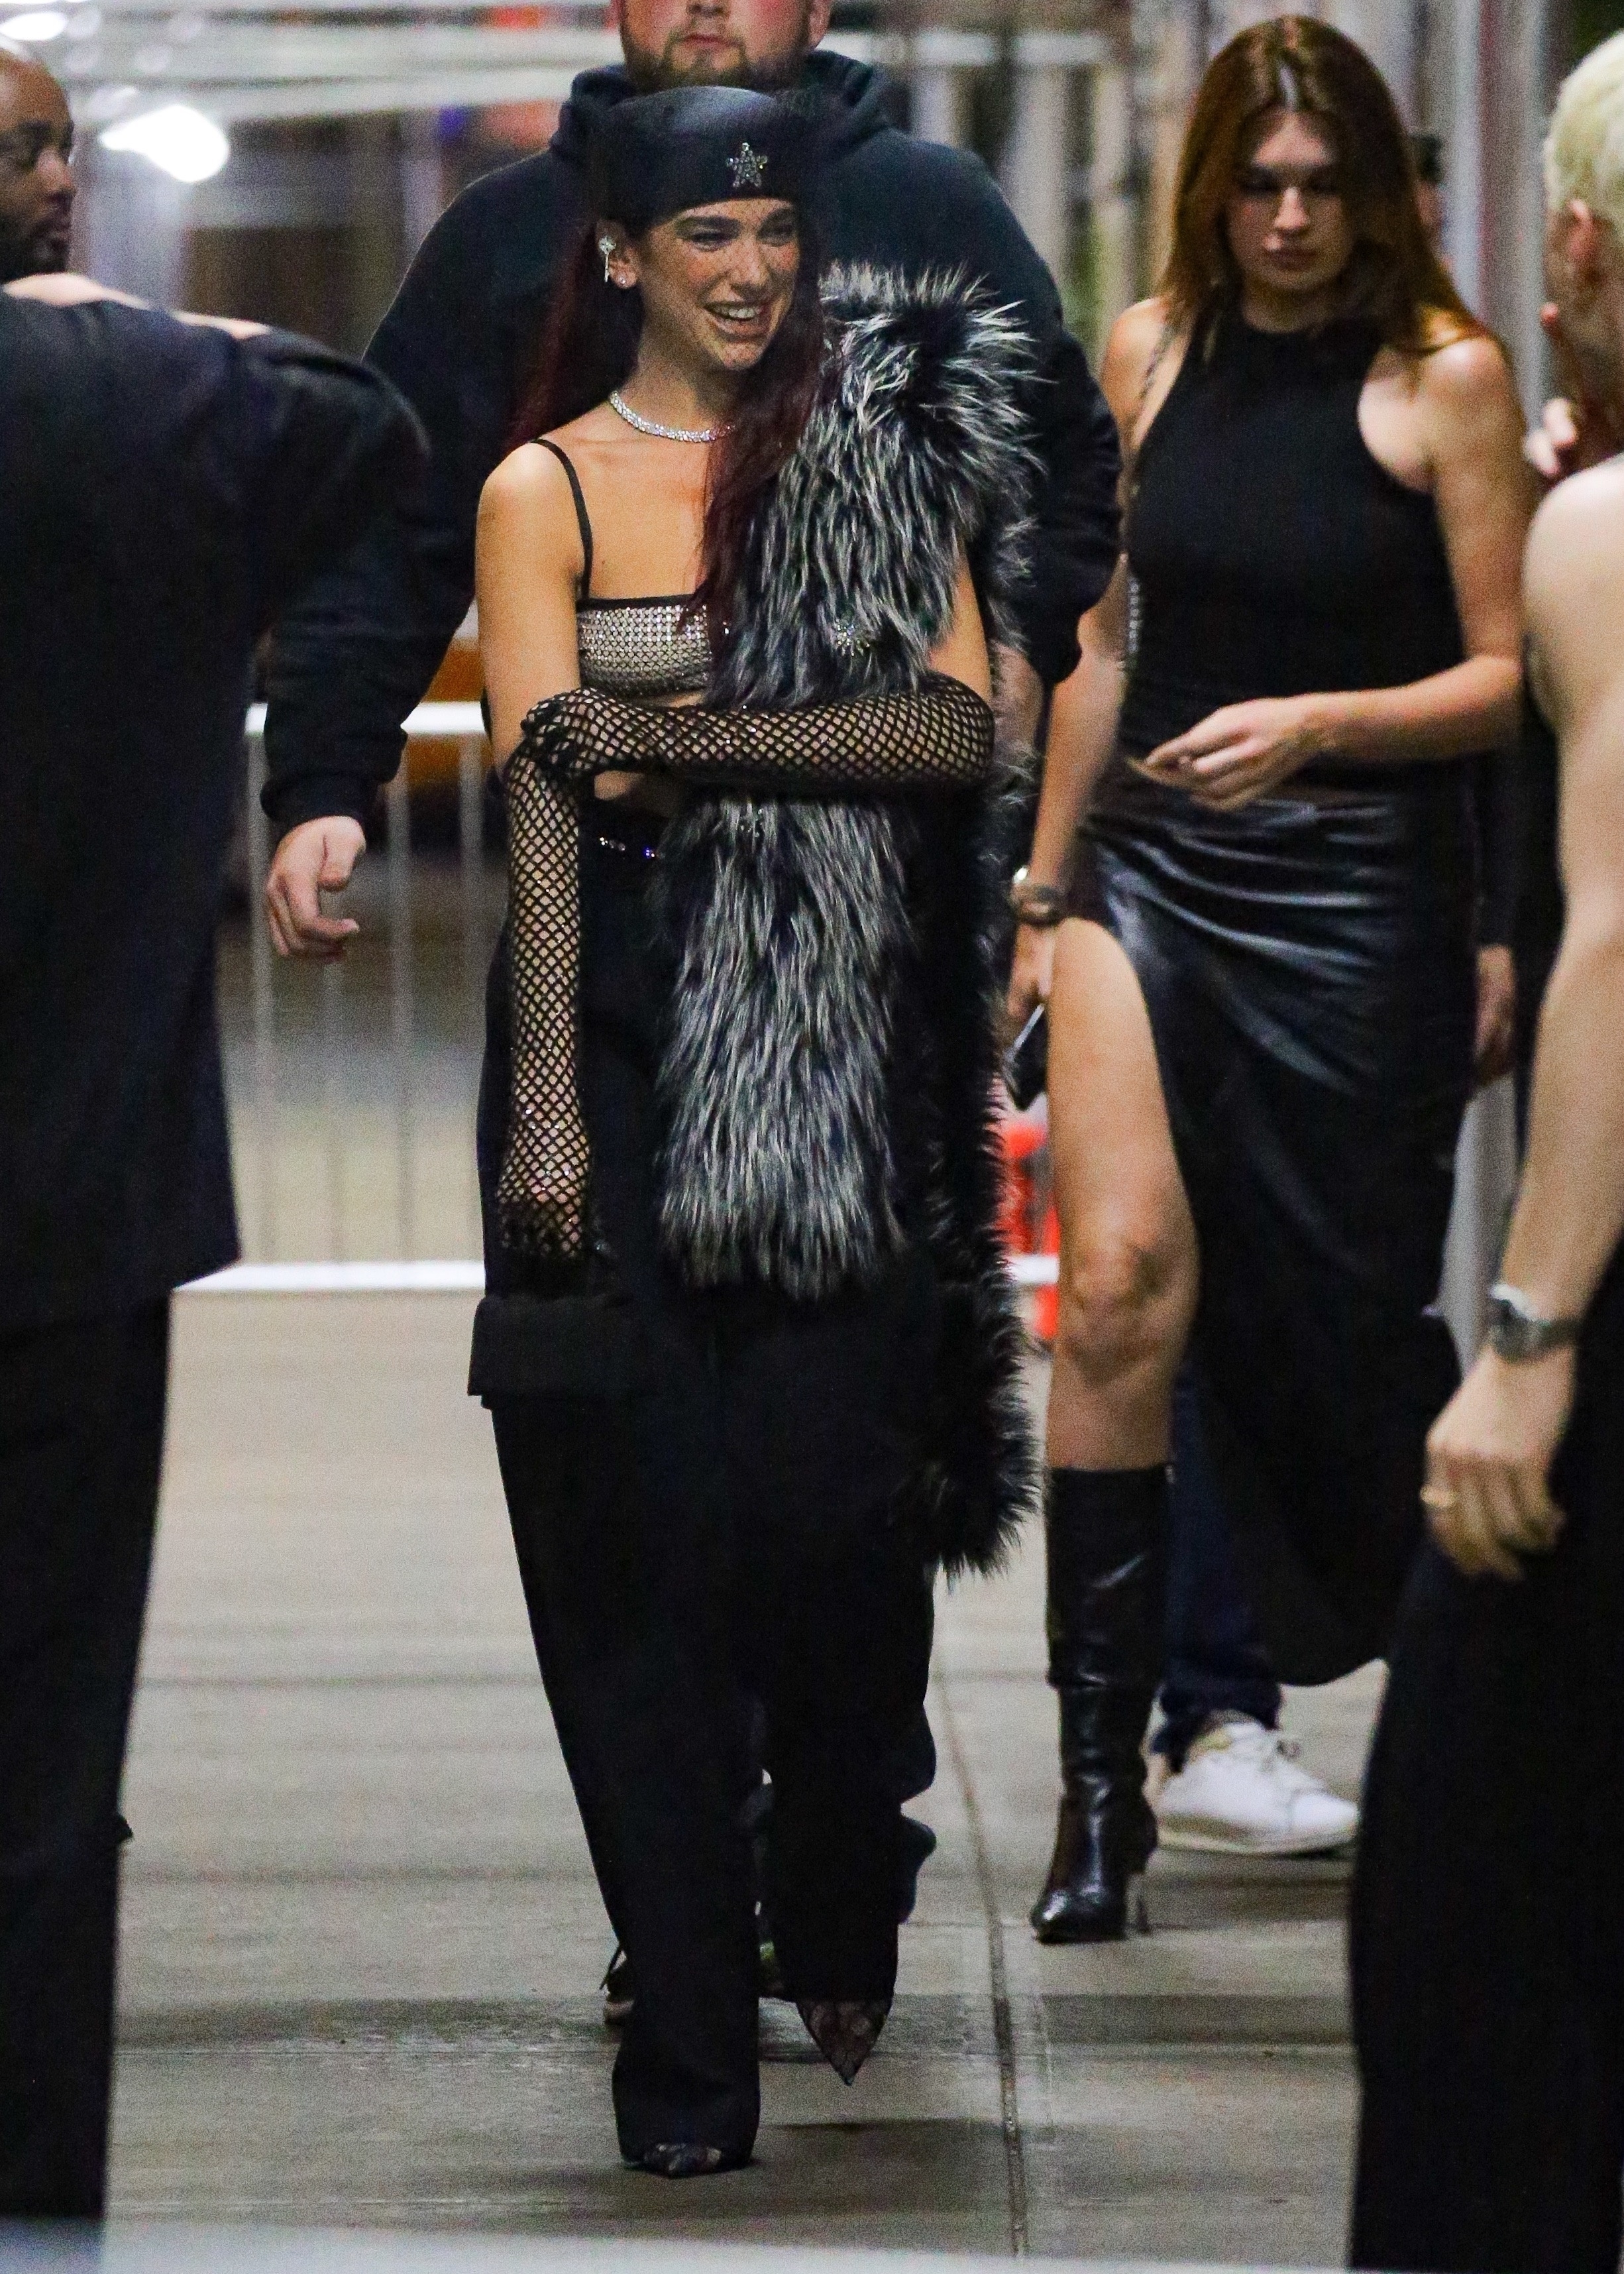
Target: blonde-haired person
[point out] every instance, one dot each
(1585, 153)
(1261, 994)
(1489, 1904)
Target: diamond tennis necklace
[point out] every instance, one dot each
(622, 409)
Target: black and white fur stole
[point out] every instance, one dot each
(789, 922)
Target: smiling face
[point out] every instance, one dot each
(36, 174)
(716, 281)
(1285, 216)
(758, 43)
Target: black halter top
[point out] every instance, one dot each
(1271, 552)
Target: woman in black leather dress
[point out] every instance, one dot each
(1262, 990)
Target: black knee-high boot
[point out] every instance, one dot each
(1106, 1533)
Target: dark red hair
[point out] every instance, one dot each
(589, 347)
(1297, 64)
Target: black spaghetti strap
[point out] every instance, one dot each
(585, 525)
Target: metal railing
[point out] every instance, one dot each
(353, 1085)
(367, 1090)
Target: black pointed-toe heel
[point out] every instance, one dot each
(684, 2159)
(845, 2030)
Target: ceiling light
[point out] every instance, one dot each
(177, 140)
(38, 26)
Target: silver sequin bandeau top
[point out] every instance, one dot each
(642, 649)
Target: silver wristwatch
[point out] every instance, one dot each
(1516, 1331)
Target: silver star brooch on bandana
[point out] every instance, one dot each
(748, 168)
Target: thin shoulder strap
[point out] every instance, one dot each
(1165, 338)
(581, 522)
(1130, 484)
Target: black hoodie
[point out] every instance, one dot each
(354, 658)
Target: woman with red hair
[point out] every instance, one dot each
(1250, 903)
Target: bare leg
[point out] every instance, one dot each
(1128, 1273)
(1128, 1290)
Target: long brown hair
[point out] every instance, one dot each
(589, 347)
(1393, 279)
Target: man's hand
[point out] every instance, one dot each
(1488, 1462)
(1494, 1044)
(317, 857)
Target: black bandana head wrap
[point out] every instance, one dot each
(659, 155)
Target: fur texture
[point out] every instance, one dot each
(800, 932)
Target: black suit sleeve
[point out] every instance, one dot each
(355, 656)
(202, 461)
(332, 445)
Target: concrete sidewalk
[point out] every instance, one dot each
(362, 1938)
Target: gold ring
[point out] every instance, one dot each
(1438, 1496)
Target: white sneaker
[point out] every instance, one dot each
(1241, 1793)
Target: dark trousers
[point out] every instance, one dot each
(1215, 1661)
(714, 1527)
(81, 1437)
(1488, 1918)
(658, 1618)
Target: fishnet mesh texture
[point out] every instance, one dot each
(941, 738)
(644, 647)
(541, 1194)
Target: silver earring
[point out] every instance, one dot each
(605, 245)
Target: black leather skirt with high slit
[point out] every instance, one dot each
(1307, 964)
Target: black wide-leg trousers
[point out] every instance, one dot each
(656, 1624)
(1488, 1911)
(81, 1437)
(714, 1528)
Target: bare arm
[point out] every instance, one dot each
(1571, 1209)
(1490, 1453)
(963, 654)
(1083, 724)
(1082, 729)
(1472, 428)
(527, 563)
(1485, 499)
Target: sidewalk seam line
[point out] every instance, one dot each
(1003, 2030)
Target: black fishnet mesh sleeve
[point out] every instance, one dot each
(939, 738)
(541, 1191)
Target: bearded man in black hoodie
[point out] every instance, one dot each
(460, 342)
